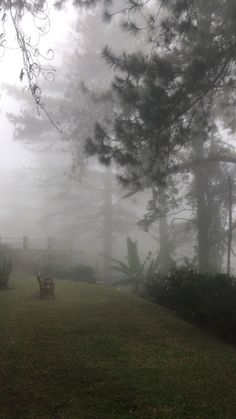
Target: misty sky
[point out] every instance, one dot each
(14, 154)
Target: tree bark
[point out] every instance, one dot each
(107, 224)
(163, 235)
(230, 227)
(203, 216)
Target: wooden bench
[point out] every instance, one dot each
(46, 286)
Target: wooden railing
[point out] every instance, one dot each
(32, 243)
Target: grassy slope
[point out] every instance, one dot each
(95, 353)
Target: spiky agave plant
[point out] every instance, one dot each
(135, 272)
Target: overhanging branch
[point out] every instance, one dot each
(190, 165)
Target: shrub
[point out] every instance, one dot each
(5, 271)
(134, 272)
(82, 273)
(206, 300)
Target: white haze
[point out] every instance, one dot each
(14, 154)
(24, 168)
(19, 162)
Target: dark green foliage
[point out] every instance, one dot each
(133, 270)
(5, 271)
(188, 61)
(206, 300)
(165, 93)
(133, 256)
(81, 273)
(135, 273)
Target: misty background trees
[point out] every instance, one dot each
(119, 183)
(165, 97)
(151, 90)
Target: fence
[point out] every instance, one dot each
(29, 253)
(31, 243)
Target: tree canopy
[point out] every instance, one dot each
(173, 88)
(158, 118)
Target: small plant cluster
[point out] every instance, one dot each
(81, 273)
(134, 271)
(5, 271)
(206, 300)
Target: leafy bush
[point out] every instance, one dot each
(206, 300)
(5, 271)
(80, 273)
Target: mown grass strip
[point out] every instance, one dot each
(95, 353)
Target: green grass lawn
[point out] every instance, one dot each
(96, 353)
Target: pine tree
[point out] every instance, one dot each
(166, 94)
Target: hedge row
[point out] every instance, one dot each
(206, 300)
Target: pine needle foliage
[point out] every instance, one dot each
(164, 91)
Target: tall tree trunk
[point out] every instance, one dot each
(230, 227)
(163, 233)
(203, 216)
(107, 224)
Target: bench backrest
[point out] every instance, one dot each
(46, 285)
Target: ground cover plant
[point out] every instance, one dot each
(207, 300)
(96, 353)
(81, 273)
(5, 272)
(133, 272)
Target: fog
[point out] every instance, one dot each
(47, 182)
(118, 206)
(42, 197)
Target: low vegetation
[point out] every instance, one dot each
(96, 353)
(5, 272)
(80, 273)
(206, 300)
(134, 272)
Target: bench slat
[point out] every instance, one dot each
(46, 286)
